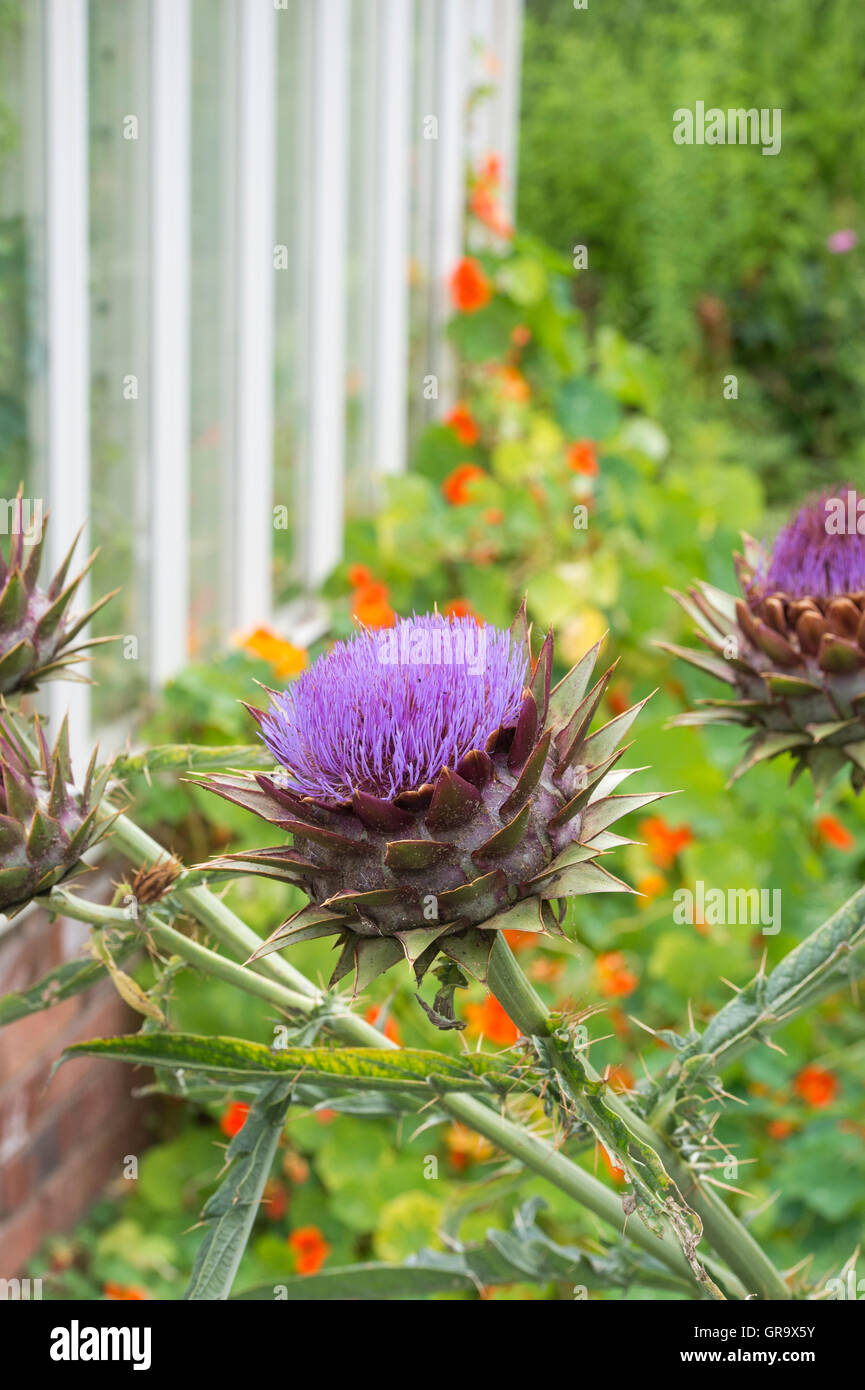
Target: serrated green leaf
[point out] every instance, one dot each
(231, 1211)
(351, 1067)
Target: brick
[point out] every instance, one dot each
(46, 1151)
(26, 959)
(14, 1122)
(18, 1182)
(93, 1110)
(20, 1238)
(33, 1037)
(84, 1175)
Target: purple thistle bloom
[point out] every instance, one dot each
(385, 711)
(814, 556)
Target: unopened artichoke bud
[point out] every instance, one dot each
(791, 645)
(436, 791)
(38, 630)
(46, 823)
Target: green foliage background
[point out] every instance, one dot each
(617, 356)
(669, 226)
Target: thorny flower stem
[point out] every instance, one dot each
(209, 910)
(303, 997)
(722, 1229)
(818, 966)
(60, 902)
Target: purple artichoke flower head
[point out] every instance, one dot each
(386, 711)
(820, 553)
(437, 788)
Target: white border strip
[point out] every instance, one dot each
(169, 376)
(252, 519)
(67, 312)
(324, 499)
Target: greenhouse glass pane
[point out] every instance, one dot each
(291, 260)
(211, 335)
(360, 282)
(119, 298)
(21, 339)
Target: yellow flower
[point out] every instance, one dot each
(582, 631)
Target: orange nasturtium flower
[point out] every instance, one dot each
(370, 606)
(490, 1021)
(581, 458)
(461, 608)
(780, 1129)
(615, 980)
(520, 940)
(457, 486)
(620, 1078)
(310, 1249)
(470, 288)
(651, 886)
(286, 660)
(295, 1168)
(816, 1085)
(491, 169)
(616, 1173)
(485, 206)
(233, 1118)
(513, 384)
(618, 698)
(464, 1146)
(274, 1201)
(123, 1293)
(832, 832)
(665, 841)
(546, 969)
(370, 601)
(463, 424)
(391, 1027)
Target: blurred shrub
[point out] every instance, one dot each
(717, 257)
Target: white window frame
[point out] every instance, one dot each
(423, 52)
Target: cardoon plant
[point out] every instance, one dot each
(791, 645)
(40, 636)
(46, 823)
(434, 784)
(430, 803)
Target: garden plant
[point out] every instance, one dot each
(445, 788)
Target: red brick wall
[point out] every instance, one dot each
(61, 1140)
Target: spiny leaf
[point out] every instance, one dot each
(236, 1058)
(231, 1211)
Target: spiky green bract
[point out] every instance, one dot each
(486, 845)
(37, 628)
(795, 668)
(46, 823)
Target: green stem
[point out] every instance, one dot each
(834, 953)
(209, 910)
(553, 1165)
(302, 996)
(724, 1232)
(60, 902)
